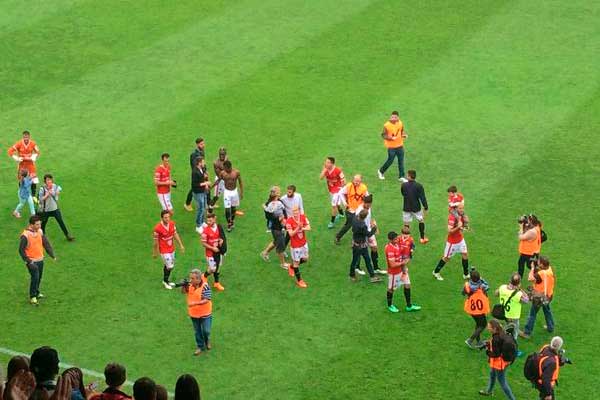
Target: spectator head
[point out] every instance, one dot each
(187, 388)
(161, 393)
(357, 179)
(44, 364)
(76, 379)
(200, 142)
(115, 375)
(199, 161)
(392, 236)
(394, 117)
(412, 174)
(144, 389)
(274, 193)
(515, 279)
(405, 230)
(330, 161)
(363, 214)
(16, 364)
(474, 275)
(165, 157)
(494, 327)
(35, 221)
(26, 137)
(291, 189)
(544, 262)
(368, 199)
(452, 189)
(222, 153)
(48, 179)
(556, 343)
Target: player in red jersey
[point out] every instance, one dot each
(335, 182)
(164, 233)
(26, 152)
(215, 246)
(454, 244)
(398, 253)
(455, 198)
(296, 225)
(163, 182)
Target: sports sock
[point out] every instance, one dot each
(232, 214)
(340, 210)
(166, 274)
(216, 275)
(440, 265)
(332, 219)
(422, 229)
(375, 259)
(33, 188)
(228, 215)
(297, 273)
(465, 265)
(390, 296)
(407, 297)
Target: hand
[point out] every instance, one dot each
(20, 387)
(182, 249)
(215, 250)
(20, 159)
(63, 388)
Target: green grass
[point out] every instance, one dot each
(501, 99)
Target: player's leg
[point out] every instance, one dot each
(168, 265)
(443, 260)
(465, 259)
(217, 260)
(419, 216)
(345, 228)
(387, 163)
(393, 282)
(334, 213)
(407, 218)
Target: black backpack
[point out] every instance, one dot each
(531, 367)
(223, 248)
(509, 348)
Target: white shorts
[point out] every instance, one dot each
(452, 249)
(372, 241)
(231, 198)
(407, 216)
(299, 253)
(397, 280)
(220, 187)
(165, 200)
(337, 199)
(212, 264)
(168, 259)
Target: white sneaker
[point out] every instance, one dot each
(199, 230)
(172, 284)
(380, 175)
(284, 265)
(438, 276)
(360, 271)
(167, 286)
(380, 272)
(403, 180)
(467, 276)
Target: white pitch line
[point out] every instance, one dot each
(63, 365)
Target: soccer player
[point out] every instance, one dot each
(196, 153)
(26, 153)
(455, 243)
(218, 184)
(354, 192)
(371, 240)
(231, 197)
(414, 197)
(163, 234)
(163, 182)
(335, 182)
(398, 253)
(393, 138)
(296, 225)
(454, 199)
(214, 242)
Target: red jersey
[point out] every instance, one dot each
(26, 151)
(393, 254)
(454, 199)
(299, 239)
(406, 247)
(211, 236)
(164, 235)
(457, 236)
(162, 174)
(335, 177)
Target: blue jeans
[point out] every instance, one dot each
(501, 376)
(533, 315)
(202, 331)
(201, 202)
(29, 201)
(392, 153)
(36, 269)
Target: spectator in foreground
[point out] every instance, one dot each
(44, 366)
(78, 391)
(115, 376)
(187, 388)
(161, 393)
(144, 389)
(16, 364)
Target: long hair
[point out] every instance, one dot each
(77, 376)
(496, 327)
(187, 388)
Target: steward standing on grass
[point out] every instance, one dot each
(393, 138)
(477, 305)
(199, 304)
(31, 248)
(355, 192)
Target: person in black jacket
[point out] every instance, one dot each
(497, 363)
(360, 246)
(198, 152)
(550, 363)
(414, 197)
(200, 188)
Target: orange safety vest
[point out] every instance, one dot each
(395, 132)
(195, 295)
(477, 303)
(355, 195)
(35, 247)
(555, 374)
(531, 247)
(546, 286)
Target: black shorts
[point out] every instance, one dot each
(278, 240)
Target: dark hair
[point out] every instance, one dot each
(292, 188)
(24, 173)
(395, 113)
(392, 235)
(405, 230)
(144, 389)
(543, 260)
(16, 364)
(164, 155)
(48, 176)
(412, 174)
(368, 199)
(187, 388)
(452, 189)
(332, 159)
(77, 379)
(198, 159)
(44, 363)
(26, 133)
(474, 275)
(533, 220)
(222, 150)
(161, 393)
(33, 219)
(227, 164)
(199, 140)
(163, 212)
(115, 374)
(515, 279)
(210, 215)
(363, 214)
(496, 327)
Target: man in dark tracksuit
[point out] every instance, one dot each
(414, 197)
(360, 246)
(198, 152)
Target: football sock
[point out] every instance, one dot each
(297, 273)
(33, 187)
(375, 259)
(440, 265)
(407, 297)
(216, 275)
(465, 265)
(390, 296)
(228, 215)
(166, 274)
(340, 210)
(332, 219)
(232, 214)
(422, 229)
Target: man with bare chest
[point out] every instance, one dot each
(231, 196)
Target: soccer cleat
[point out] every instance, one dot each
(197, 352)
(188, 207)
(375, 279)
(264, 256)
(330, 225)
(239, 213)
(485, 393)
(359, 271)
(380, 272)
(16, 214)
(172, 284)
(33, 301)
(469, 343)
(413, 307)
(403, 179)
(301, 284)
(218, 286)
(393, 309)
(166, 285)
(467, 276)
(524, 335)
(41, 296)
(437, 276)
(380, 175)
(424, 240)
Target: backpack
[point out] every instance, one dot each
(509, 348)
(531, 367)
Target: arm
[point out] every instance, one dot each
(48, 246)
(385, 135)
(529, 235)
(342, 179)
(241, 186)
(306, 227)
(301, 204)
(155, 247)
(22, 247)
(422, 198)
(35, 153)
(323, 171)
(452, 228)
(13, 152)
(179, 241)
(208, 246)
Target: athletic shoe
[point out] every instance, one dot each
(330, 225)
(208, 345)
(375, 279)
(337, 241)
(41, 296)
(380, 272)
(359, 271)
(16, 214)
(466, 276)
(301, 284)
(338, 217)
(380, 175)
(197, 352)
(218, 286)
(264, 256)
(437, 276)
(413, 307)
(166, 285)
(485, 393)
(172, 284)
(469, 343)
(393, 309)
(70, 238)
(424, 240)
(188, 207)
(524, 335)
(239, 213)
(285, 266)
(33, 301)
(403, 179)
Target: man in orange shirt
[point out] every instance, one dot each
(199, 308)
(393, 138)
(354, 193)
(543, 279)
(26, 152)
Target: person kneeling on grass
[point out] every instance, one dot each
(398, 253)
(477, 305)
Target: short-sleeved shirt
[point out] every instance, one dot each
(291, 202)
(394, 130)
(457, 236)
(162, 174)
(334, 179)
(164, 235)
(406, 246)
(299, 239)
(210, 235)
(393, 254)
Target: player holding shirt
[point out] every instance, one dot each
(164, 232)
(335, 182)
(26, 152)
(214, 242)
(231, 177)
(398, 253)
(163, 182)
(296, 225)
(454, 244)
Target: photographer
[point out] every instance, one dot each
(199, 305)
(550, 360)
(512, 297)
(530, 241)
(542, 277)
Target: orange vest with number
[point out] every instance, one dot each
(477, 303)
(531, 247)
(35, 247)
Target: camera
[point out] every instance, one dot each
(184, 283)
(563, 358)
(523, 219)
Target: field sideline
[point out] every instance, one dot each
(499, 98)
